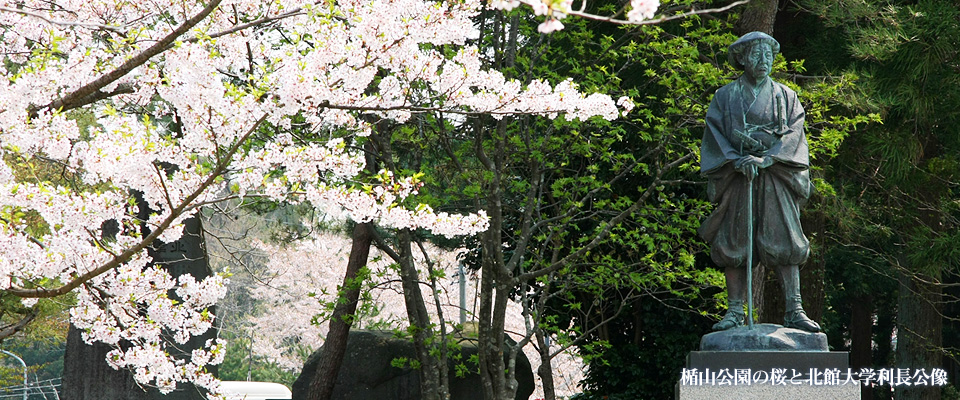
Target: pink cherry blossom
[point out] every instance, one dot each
(313, 267)
(82, 93)
(550, 25)
(642, 9)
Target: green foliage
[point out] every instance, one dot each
(240, 364)
(890, 214)
(909, 162)
(646, 364)
(43, 356)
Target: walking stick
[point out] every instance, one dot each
(750, 249)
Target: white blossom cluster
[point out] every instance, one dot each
(555, 10)
(175, 128)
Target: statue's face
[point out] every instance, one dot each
(757, 61)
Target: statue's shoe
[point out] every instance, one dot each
(731, 320)
(799, 320)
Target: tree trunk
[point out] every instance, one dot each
(430, 388)
(443, 357)
(499, 381)
(493, 294)
(884, 355)
(758, 15)
(546, 369)
(487, 347)
(919, 332)
(335, 344)
(861, 337)
(496, 374)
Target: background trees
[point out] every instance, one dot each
(895, 197)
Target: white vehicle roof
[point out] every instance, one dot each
(240, 390)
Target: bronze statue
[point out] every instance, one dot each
(754, 154)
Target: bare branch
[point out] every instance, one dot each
(608, 225)
(163, 185)
(100, 244)
(61, 23)
(383, 246)
(261, 21)
(29, 237)
(614, 20)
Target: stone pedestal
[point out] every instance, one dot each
(766, 362)
(767, 375)
(801, 361)
(768, 391)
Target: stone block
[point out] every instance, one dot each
(768, 391)
(767, 360)
(711, 375)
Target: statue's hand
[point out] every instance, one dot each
(749, 165)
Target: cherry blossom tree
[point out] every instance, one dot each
(188, 104)
(303, 277)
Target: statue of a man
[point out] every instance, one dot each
(754, 136)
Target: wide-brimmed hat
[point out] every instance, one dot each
(745, 41)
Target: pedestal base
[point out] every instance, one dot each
(763, 337)
(767, 375)
(850, 391)
(801, 361)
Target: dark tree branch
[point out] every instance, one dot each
(12, 329)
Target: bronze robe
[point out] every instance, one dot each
(779, 190)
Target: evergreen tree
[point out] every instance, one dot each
(894, 214)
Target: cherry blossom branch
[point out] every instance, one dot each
(123, 88)
(75, 98)
(149, 239)
(261, 21)
(421, 109)
(29, 237)
(61, 23)
(614, 20)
